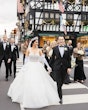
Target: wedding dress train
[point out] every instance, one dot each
(33, 87)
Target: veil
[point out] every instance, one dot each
(35, 38)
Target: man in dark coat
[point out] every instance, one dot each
(14, 56)
(60, 64)
(69, 45)
(5, 54)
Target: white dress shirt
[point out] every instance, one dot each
(12, 47)
(4, 45)
(61, 49)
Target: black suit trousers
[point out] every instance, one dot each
(60, 80)
(14, 67)
(7, 67)
(0, 63)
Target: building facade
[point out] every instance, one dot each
(44, 18)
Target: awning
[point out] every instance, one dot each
(82, 34)
(49, 34)
(28, 36)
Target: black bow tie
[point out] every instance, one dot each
(61, 46)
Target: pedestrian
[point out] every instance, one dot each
(23, 49)
(45, 51)
(14, 56)
(79, 74)
(69, 45)
(33, 87)
(60, 64)
(5, 54)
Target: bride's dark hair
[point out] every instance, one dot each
(33, 42)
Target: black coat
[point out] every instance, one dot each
(60, 64)
(15, 53)
(5, 54)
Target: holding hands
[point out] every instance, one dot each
(49, 69)
(9, 60)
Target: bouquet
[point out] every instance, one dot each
(80, 52)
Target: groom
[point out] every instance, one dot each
(60, 64)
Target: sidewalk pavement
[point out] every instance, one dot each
(75, 95)
(86, 58)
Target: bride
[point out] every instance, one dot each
(33, 87)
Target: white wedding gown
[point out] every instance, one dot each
(33, 87)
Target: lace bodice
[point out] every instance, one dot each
(34, 57)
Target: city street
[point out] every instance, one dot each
(75, 95)
(60, 29)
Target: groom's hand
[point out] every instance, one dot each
(9, 60)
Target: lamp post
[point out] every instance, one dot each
(14, 33)
(5, 31)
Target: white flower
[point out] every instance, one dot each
(65, 49)
(7, 43)
(14, 46)
(73, 64)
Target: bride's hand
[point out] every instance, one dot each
(49, 69)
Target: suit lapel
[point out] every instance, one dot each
(3, 46)
(65, 49)
(6, 47)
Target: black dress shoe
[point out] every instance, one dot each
(10, 74)
(61, 102)
(14, 76)
(6, 79)
(67, 82)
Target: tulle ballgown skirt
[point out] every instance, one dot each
(33, 87)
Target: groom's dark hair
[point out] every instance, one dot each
(61, 36)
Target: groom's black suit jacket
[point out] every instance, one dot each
(60, 64)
